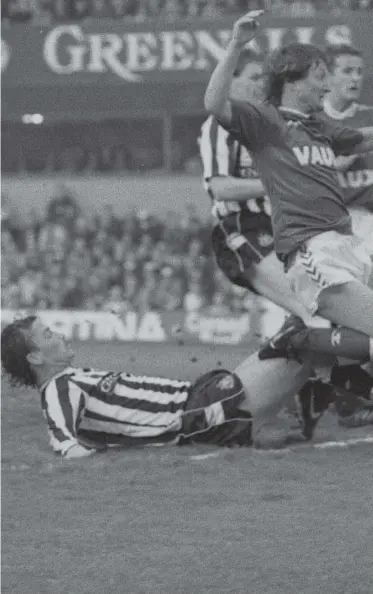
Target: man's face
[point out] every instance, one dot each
(347, 77)
(312, 89)
(249, 85)
(49, 348)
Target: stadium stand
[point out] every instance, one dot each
(138, 263)
(139, 11)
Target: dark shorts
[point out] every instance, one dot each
(212, 414)
(238, 242)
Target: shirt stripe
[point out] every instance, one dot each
(63, 404)
(214, 149)
(222, 155)
(112, 403)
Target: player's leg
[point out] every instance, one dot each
(362, 227)
(246, 262)
(350, 304)
(329, 275)
(269, 385)
(227, 408)
(294, 339)
(268, 279)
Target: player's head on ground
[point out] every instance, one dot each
(346, 65)
(30, 350)
(298, 77)
(248, 78)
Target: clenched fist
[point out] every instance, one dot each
(245, 29)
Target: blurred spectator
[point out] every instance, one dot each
(45, 11)
(137, 263)
(194, 299)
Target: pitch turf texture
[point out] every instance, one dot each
(166, 521)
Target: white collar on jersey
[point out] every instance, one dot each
(339, 115)
(294, 111)
(56, 376)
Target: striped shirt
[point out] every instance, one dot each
(88, 402)
(222, 155)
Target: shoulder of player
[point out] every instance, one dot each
(265, 108)
(62, 380)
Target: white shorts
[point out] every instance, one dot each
(362, 226)
(327, 260)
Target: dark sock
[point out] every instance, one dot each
(353, 379)
(337, 341)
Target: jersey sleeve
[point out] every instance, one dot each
(214, 150)
(64, 404)
(344, 140)
(254, 126)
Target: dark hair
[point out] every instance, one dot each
(15, 346)
(333, 51)
(289, 64)
(247, 56)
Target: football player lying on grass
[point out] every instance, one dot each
(88, 409)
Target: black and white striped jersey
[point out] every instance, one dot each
(222, 155)
(88, 401)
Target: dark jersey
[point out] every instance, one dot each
(294, 156)
(356, 179)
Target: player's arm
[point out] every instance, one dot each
(233, 188)
(217, 93)
(64, 405)
(366, 145)
(216, 156)
(349, 140)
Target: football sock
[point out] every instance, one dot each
(353, 378)
(337, 341)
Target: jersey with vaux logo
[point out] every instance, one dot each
(357, 178)
(294, 155)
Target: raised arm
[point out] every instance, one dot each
(237, 189)
(217, 92)
(366, 145)
(347, 141)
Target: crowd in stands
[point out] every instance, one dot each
(46, 11)
(71, 260)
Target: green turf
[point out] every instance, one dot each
(155, 521)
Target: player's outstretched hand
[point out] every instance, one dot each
(78, 451)
(245, 29)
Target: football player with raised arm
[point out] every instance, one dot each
(293, 151)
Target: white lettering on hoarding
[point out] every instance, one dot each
(68, 49)
(85, 325)
(229, 330)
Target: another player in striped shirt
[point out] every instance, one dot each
(87, 408)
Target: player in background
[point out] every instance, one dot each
(242, 238)
(342, 106)
(293, 151)
(355, 175)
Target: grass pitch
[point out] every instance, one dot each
(166, 520)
